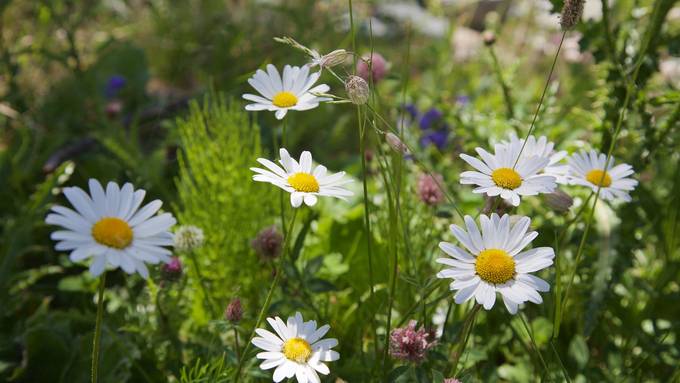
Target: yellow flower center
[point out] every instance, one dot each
(285, 99)
(304, 182)
(506, 178)
(112, 232)
(297, 350)
(599, 177)
(495, 266)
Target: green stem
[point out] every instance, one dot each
(540, 102)
(367, 219)
(236, 345)
(268, 299)
(467, 330)
(533, 342)
(507, 96)
(96, 344)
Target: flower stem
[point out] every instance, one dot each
(540, 102)
(465, 335)
(96, 344)
(507, 96)
(268, 299)
(236, 346)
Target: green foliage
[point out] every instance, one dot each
(219, 144)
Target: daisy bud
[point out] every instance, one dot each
(337, 57)
(395, 143)
(489, 38)
(234, 311)
(429, 190)
(172, 271)
(188, 238)
(571, 13)
(451, 380)
(559, 201)
(357, 90)
(377, 64)
(268, 243)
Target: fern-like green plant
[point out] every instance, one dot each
(219, 144)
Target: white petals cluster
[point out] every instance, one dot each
(493, 260)
(298, 178)
(294, 90)
(296, 350)
(111, 227)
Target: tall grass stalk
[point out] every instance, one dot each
(268, 299)
(540, 101)
(364, 176)
(465, 335)
(96, 343)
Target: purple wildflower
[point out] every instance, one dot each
(234, 311)
(268, 243)
(429, 190)
(172, 270)
(115, 83)
(438, 138)
(378, 67)
(430, 119)
(410, 344)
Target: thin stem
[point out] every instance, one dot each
(540, 102)
(204, 287)
(98, 328)
(268, 299)
(533, 342)
(467, 330)
(282, 201)
(236, 346)
(507, 96)
(367, 219)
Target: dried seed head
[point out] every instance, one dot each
(571, 13)
(357, 90)
(337, 57)
(234, 312)
(395, 143)
(559, 201)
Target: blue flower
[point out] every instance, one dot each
(115, 83)
(411, 110)
(438, 138)
(430, 118)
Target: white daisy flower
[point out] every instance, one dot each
(493, 261)
(300, 181)
(541, 147)
(110, 227)
(293, 92)
(503, 174)
(296, 349)
(587, 169)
